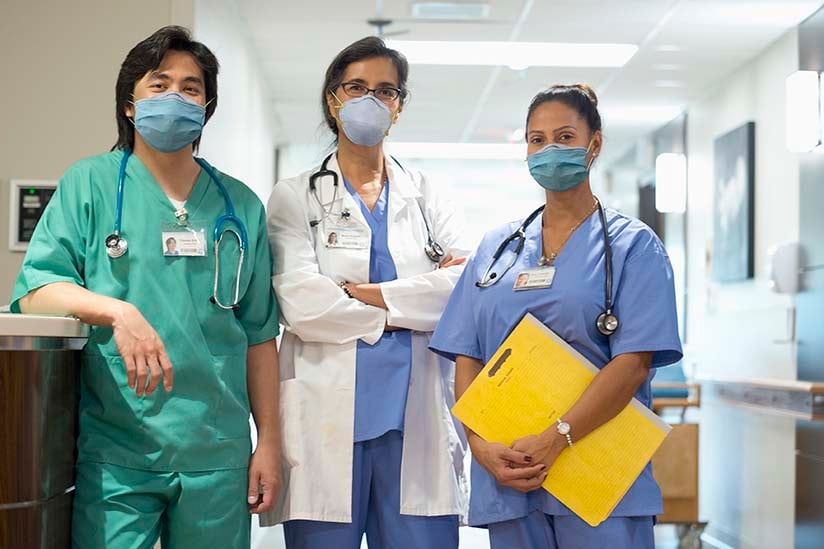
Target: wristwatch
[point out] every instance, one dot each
(564, 430)
(343, 287)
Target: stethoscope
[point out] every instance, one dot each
(432, 249)
(117, 245)
(607, 322)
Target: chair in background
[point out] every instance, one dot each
(675, 464)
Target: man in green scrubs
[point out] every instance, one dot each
(175, 462)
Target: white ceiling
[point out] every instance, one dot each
(687, 47)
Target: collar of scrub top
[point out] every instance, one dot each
(607, 322)
(116, 245)
(329, 174)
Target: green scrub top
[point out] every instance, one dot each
(203, 424)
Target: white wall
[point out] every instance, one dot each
(756, 92)
(747, 459)
(59, 62)
(240, 137)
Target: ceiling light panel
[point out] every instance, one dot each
(517, 54)
(450, 10)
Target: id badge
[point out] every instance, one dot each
(532, 279)
(347, 237)
(187, 241)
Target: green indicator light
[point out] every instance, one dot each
(32, 191)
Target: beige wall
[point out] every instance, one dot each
(61, 60)
(747, 493)
(64, 57)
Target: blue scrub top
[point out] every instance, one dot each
(382, 369)
(477, 320)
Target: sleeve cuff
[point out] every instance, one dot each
(256, 337)
(663, 355)
(392, 312)
(375, 335)
(34, 280)
(453, 353)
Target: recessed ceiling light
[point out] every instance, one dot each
(450, 10)
(668, 67)
(519, 54)
(668, 84)
(668, 47)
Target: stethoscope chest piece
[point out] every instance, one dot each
(607, 323)
(434, 251)
(116, 246)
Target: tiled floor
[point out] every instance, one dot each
(471, 538)
(272, 538)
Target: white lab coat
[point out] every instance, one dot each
(323, 326)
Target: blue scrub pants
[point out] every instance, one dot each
(376, 496)
(121, 508)
(540, 531)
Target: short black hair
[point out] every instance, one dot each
(579, 97)
(147, 56)
(365, 48)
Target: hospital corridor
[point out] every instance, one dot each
(411, 274)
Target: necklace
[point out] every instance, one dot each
(548, 261)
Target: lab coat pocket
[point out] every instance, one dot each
(291, 422)
(231, 414)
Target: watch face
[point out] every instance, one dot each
(563, 428)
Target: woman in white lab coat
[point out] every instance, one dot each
(366, 256)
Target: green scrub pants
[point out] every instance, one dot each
(121, 508)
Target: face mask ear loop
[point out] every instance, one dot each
(393, 117)
(207, 102)
(591, 142)
(340, 106)
(131, 118)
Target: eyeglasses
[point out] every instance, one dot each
(384, 93)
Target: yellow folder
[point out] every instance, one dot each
(533, 378)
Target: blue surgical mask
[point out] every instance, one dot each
(169, 122)
(559, 168)
(366, 120)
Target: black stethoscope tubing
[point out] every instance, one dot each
(607, 322)
(432, 249)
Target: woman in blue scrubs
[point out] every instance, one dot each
(369, 442)
(564, 258)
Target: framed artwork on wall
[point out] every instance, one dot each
(733, 257)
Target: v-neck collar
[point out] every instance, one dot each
(378, 213)
(136, 170)
(535, 238)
